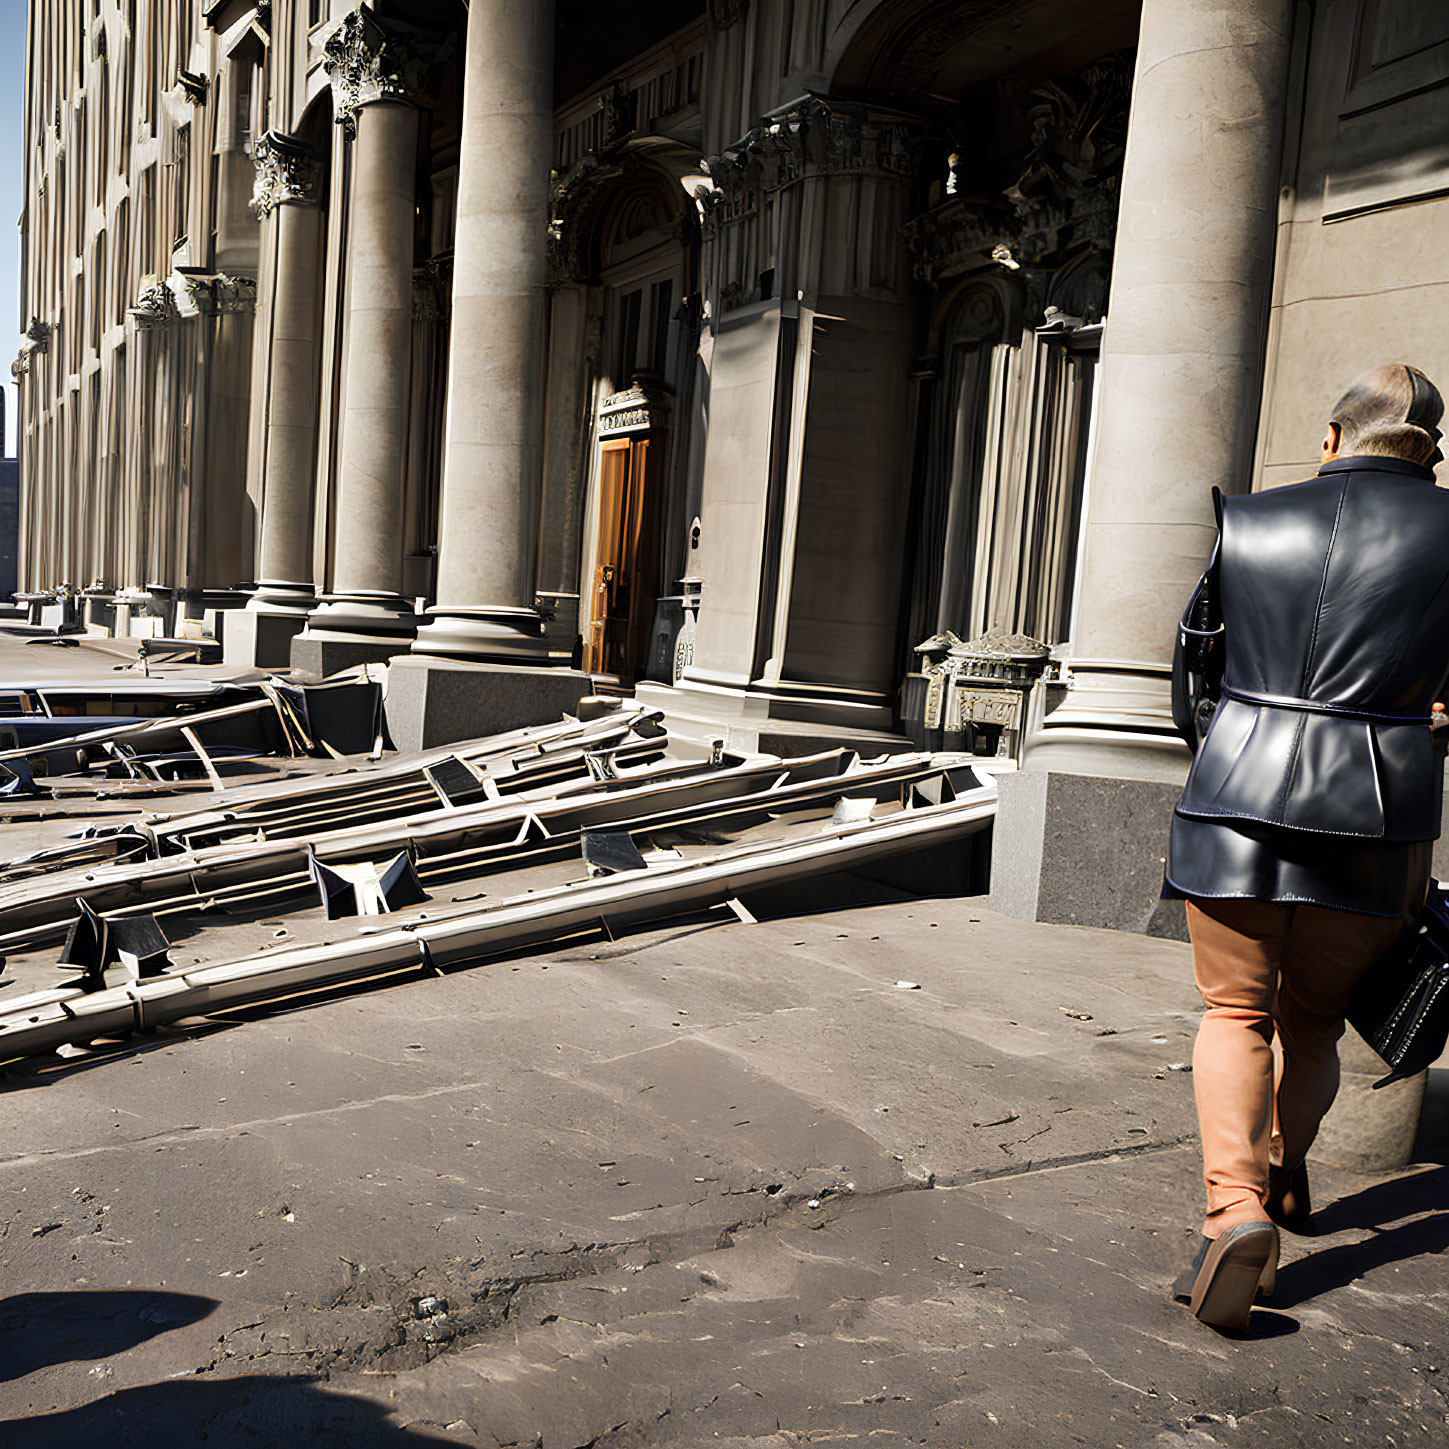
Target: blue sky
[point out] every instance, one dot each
(12, 155)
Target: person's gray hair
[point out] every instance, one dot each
(1390, 412)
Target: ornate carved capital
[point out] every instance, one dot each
(368, 62)
(818, 137)
(153, 307)
(287, 173)
(724, 13)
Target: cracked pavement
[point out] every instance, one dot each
(736, 1184)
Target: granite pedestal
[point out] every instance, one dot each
(324, 656)
(255, 639)
(433, 702)
(1085, 850)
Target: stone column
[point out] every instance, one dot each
(366, 617)
(480, 664)
(1177, 413)
(493, 448)
(286, 197)
(1182, 364)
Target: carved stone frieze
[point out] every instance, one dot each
(366, 61)
(287, 173)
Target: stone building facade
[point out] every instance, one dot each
(724, 350)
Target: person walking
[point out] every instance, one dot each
(1302, 840)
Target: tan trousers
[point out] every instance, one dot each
(1261, 966)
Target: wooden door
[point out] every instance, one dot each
(625, 569)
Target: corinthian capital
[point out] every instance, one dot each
(367, 61)
(287, 172)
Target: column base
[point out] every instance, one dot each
(363, 627)
(1115, 720)
(432, 702)
(1084, 850)
(274, 596)
(499, 635)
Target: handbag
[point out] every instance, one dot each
(1401, 1009)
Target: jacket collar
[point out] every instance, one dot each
(1378, 465)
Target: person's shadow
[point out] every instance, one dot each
(1338, 1266)
(253, 1410)
(39, 1329)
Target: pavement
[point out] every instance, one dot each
(899, 1172)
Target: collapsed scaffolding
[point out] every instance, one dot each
(443, 860)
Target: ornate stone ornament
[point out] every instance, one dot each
(287, 173)
(1055, 223)
(367, 62)
(433, 290)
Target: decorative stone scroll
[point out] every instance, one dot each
(368, 62)
(287, 174)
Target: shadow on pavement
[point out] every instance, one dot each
(1345, 1263)
(39, 1329)
(254, 1411)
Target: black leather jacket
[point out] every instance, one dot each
(1335, 601)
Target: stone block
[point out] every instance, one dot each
(254, 639)
(1084, 850)
(322, 657)
(432, 702)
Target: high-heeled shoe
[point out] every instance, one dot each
(1227, 1274)
(1288, 1203)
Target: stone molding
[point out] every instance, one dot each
(288, 173)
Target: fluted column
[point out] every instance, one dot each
(493, 449)
(1180, 379)
(287, 193)
(366, 64)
